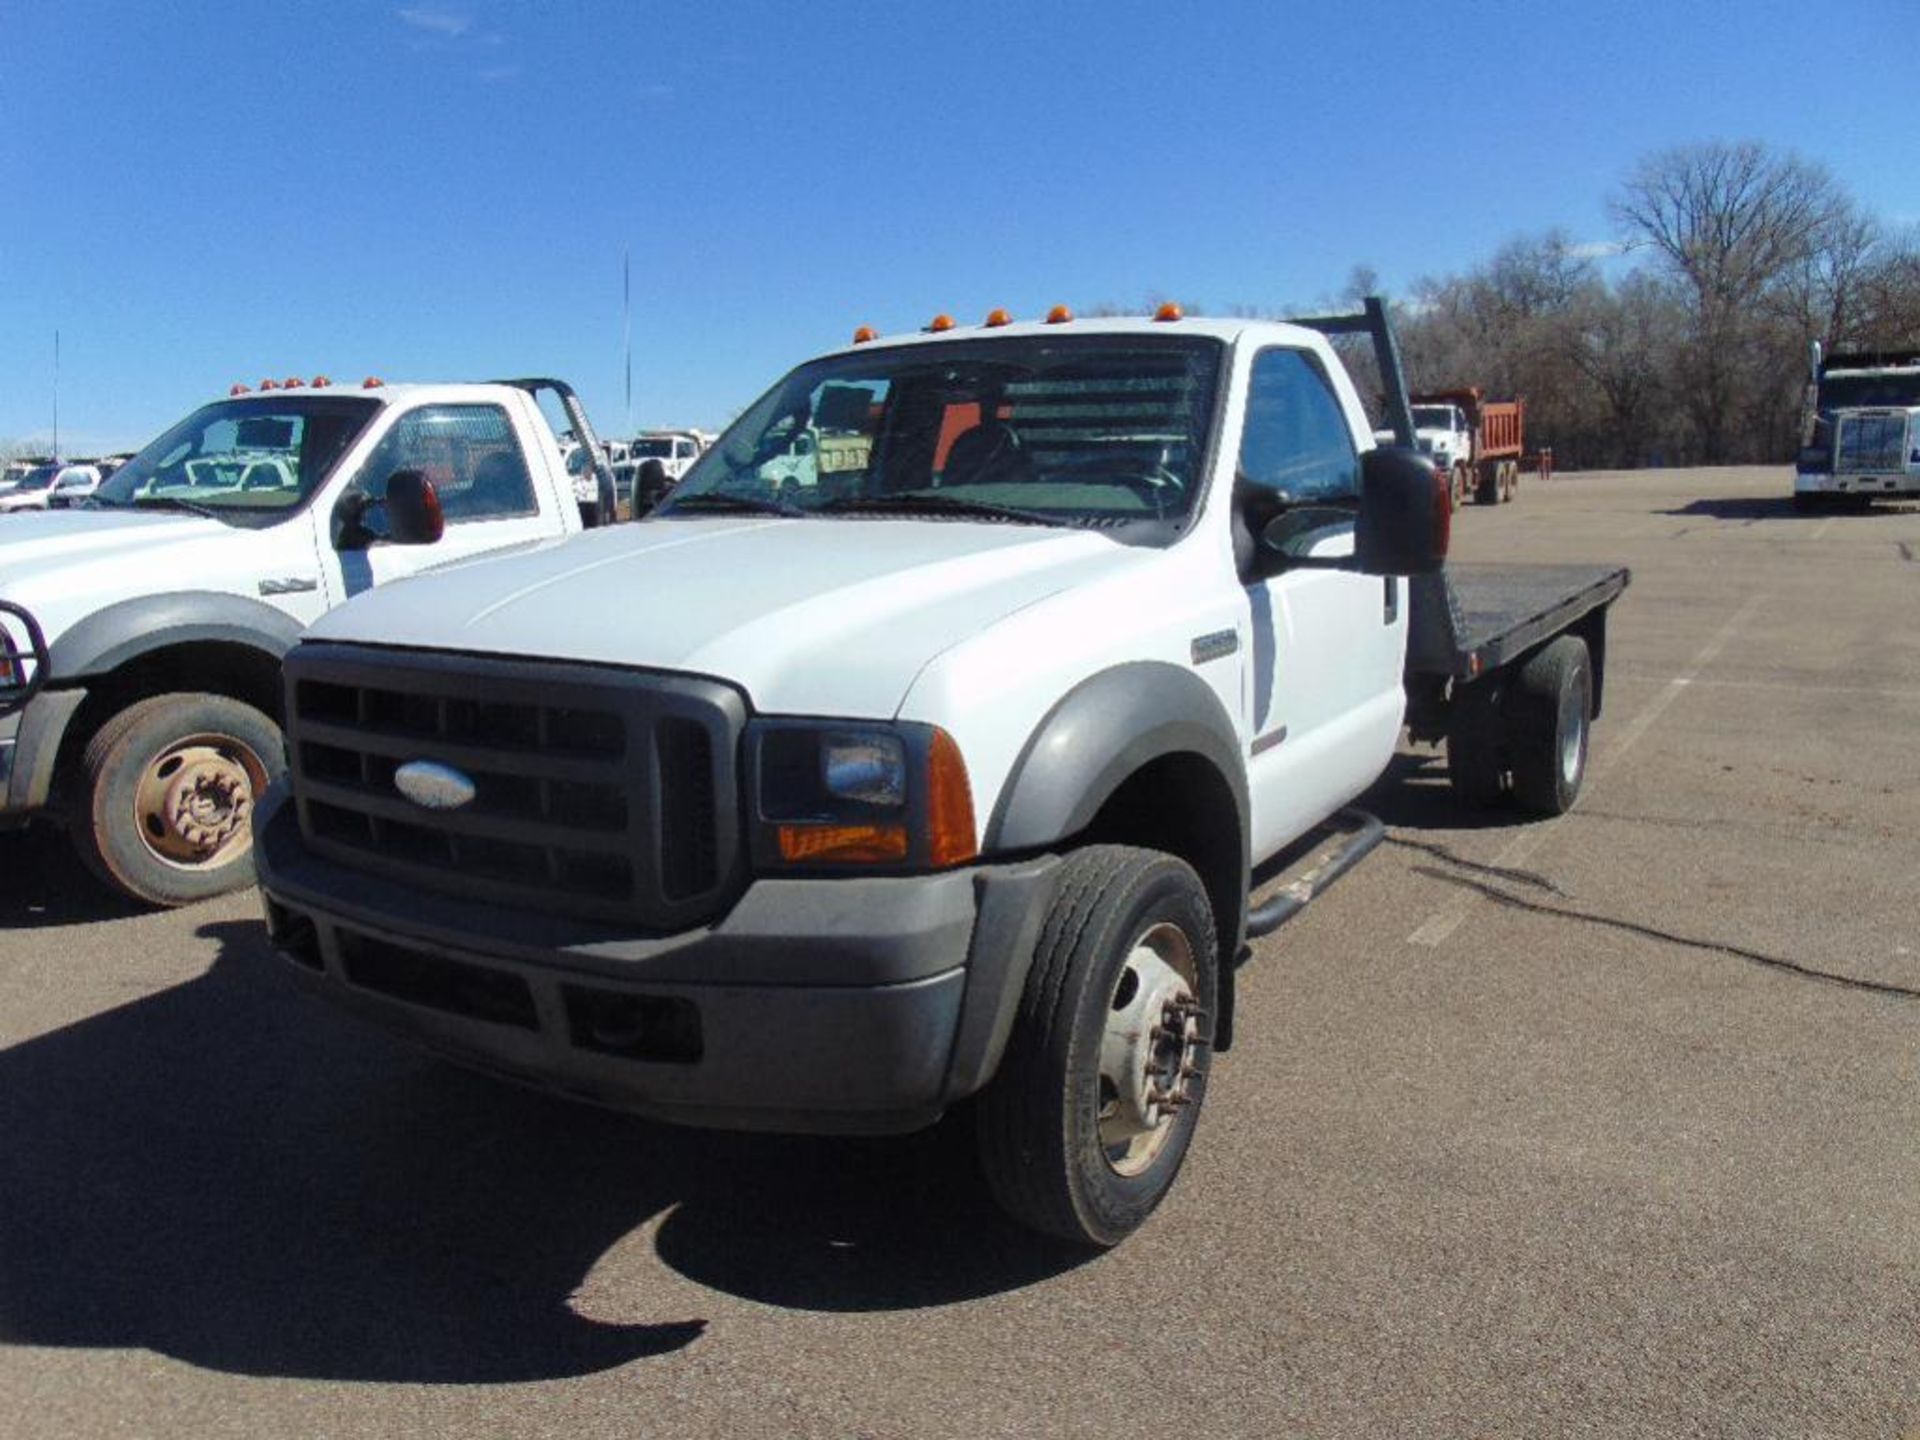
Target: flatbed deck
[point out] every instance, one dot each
(1470, 619)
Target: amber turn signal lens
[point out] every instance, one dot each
(1059, 315)
(950, 835)
(843, 844)
(939, 323)
(1168, 311)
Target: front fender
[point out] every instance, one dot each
(115, 634)
(1102, 731)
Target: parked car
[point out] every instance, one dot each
(50, 487)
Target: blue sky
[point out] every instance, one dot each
(195, 193)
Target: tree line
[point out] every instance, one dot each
(1696, 351)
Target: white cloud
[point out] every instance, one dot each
(450, 23)
(1597, 249)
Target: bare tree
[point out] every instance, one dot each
(1728, 221)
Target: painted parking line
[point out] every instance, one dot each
(1438, 926)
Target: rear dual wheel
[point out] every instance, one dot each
(1090, 1115)
(1528, 736)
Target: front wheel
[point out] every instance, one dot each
(1085, 1125)
(168, 790)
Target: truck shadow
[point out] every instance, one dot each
(43, 883)
(229, 1175)
(1780, 507)
(1413, 793)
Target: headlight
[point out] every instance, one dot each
(892, 797)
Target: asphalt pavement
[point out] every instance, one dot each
(1598, 1127)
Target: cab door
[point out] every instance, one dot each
(1323, 691)
(477, 454)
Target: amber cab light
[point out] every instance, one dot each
(1168, 311)
(939, 323)
(864, 334)
(950, 835)
(1059, 315)
(997, 318)
(372, 382)
(269, 384)
(239, 389)
(293, 383)
(321, 382)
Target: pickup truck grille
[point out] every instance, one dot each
(1871, 442)
(601, 794)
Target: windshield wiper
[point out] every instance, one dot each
(920, 502)
(174, 502)
(735, 504)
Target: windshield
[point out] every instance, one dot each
(1433, 417)
(652, 450)
(1852, 392)
(259, 456)
(1091, 429)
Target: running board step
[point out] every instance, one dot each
(1352, 836)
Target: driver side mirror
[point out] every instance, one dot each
(410, 514)
(1406, 514)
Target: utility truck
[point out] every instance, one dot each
(1862, 435)
(141, 633)
(957, 772)
(1478, 444)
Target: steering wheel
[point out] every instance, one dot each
(1150, 479)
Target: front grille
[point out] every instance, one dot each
(602, 794)
(1871, 442)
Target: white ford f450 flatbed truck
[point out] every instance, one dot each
(141, 633)
(941, 776)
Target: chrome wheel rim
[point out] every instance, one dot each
(1573, 733)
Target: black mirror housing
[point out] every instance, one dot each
(410, 515)
(414, 516)
(1405, 518)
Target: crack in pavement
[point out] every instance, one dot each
(1669, 937)
(1505, 872)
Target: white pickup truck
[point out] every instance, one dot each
(141, 634)
(944, 777)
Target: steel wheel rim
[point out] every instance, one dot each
(1573, 732)
(193, 804)
(1149, 1049)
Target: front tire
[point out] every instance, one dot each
(168, 788)
(1085, 1125)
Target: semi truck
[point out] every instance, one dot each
(1861, 438)
(141, 633)
(960, 778)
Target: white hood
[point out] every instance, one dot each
(63, 564)
(819, 616)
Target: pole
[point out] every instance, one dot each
(626, 307)
(56, 393)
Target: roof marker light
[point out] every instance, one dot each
(1059, 315)
(372, 382)
(292, 383)
(864, 334)
(269, 385)
(939, 323)
(997, 318)
(321, 382)
(1169, 311)
(238, 389)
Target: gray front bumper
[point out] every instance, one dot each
(821, 1005)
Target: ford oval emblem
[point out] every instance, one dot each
(433, 786)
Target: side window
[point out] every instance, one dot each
(1296, 438)
(469, 452)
